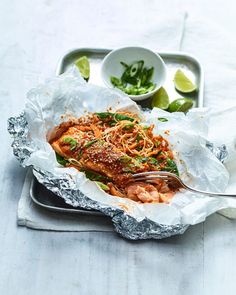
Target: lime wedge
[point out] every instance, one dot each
(182, 83)
(83, 65)
(160, 99)
(180, 105)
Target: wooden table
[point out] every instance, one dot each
(33, 35)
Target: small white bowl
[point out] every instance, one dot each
(111, 67)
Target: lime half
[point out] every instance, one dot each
(160, 99)
(182, 83)
(180, 105)
(83, 65)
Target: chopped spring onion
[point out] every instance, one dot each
(74, 162)
(102, 186)
(90, 143)
(162, 119)
(125, 159)
(128, 126)
(73, 143)
(135, 80)
(117, 117)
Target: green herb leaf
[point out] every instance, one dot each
(171, 166)
(73, 143)
(125, 159)
(153, 161)
(104, 115)
(112, 123)
(127, 170)
(142, 159)
(120, 117)
(62, 161)
(159, 153)
(102, 186)
(162, 119)
(150, 160)
(79, 154)
(139, 137)
(95, 176)
(128, 126)
(117, 117)
(157, 143)
(90, 143)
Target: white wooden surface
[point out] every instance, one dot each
(33, 35)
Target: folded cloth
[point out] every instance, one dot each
(33, 216)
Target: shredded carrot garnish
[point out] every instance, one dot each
(96, 131)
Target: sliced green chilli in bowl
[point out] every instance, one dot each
(135, 80)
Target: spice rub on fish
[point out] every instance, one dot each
(109, 148)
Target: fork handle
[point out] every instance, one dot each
(208, 193)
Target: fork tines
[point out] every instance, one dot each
(152, 175)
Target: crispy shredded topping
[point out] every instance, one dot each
(109, 147)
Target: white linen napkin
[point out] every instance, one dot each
(33, 216)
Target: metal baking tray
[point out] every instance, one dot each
(173, 60)
(46, 199)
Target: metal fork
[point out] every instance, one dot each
(173, 181)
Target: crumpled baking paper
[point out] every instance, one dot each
(69, 95)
